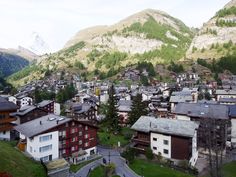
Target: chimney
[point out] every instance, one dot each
(40, 122)
(150, 124)
(57, 121)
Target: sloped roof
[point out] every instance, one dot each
(167, 126)
(7, 105)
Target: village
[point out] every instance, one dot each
(181, 124)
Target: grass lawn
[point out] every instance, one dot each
(229, 169)
(149, 169)
(17, 164)
(98, 172)
(109, 139)
(75, 168)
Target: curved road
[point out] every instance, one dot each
(121, 168)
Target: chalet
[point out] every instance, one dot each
(82, 111)
(124, 107)
(203, 113)
(6, 108)
(50, 106)
(51, 137)
(186, 95)
(23, 100)
(225, 94)
(173, 139)
(28, 113)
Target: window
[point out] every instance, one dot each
(73, 139)
(72, 148)
(45, 138)
(154, 139)
(80, 133)
(166, 142)
(166, 151)
(2, 116)
(63, 151)
(86, 127)
(45, 148)
(86, 144)
(80, 125)
(72, 130)
(86, 136)
(73, 123)
(154, 148)
(4, 132)
(80, 142)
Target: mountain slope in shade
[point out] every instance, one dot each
(21, 51)
(11, 63)
(217, 37)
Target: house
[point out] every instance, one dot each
(172, 139)
(203, 113)
(23, 100)
(124, 107)
(82, 111)
(50, 106)
(6, 108)
(51, 137)
(186, 95)
(28, 113)
(225, 94)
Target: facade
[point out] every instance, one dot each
(51, 137)
(82, 111)
(207, 114)
(172, 139)
(225, 94)
(50, 107)
(24, 101)
(6, 108)
(232, 114)
(28, 113)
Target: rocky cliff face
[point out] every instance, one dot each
(217, 37)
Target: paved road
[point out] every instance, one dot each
(121, 168)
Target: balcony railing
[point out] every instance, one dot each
(141, 140)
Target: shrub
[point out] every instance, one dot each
(149, 154)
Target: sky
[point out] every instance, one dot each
(56, 21)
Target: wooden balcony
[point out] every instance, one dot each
(141, 141)
(7, 120)
(6, 127)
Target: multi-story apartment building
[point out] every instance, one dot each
(172, 139)
(51, 137)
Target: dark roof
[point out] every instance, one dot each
(232, 110)
(40, 125)
(203, 110)
(6, 105)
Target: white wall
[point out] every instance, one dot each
(233, 132)
(12, 99)
(104, 98)
(36, 144)
(182, 117)
(159, 144)
(194, 157)
(26, 101)
(5, 135)
(57, 108)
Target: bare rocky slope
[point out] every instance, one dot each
(217, 37)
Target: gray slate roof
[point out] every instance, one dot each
(225, 92)
(7, 105)
(32, 128)
(203, 110)
(167, 126)
(24, 110)
(44, 103)
(124, 105)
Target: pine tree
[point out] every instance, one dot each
(112, 115)
(138, 109)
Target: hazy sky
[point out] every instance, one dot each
(58, 20)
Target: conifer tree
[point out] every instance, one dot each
(112, 115)
(138, 109)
